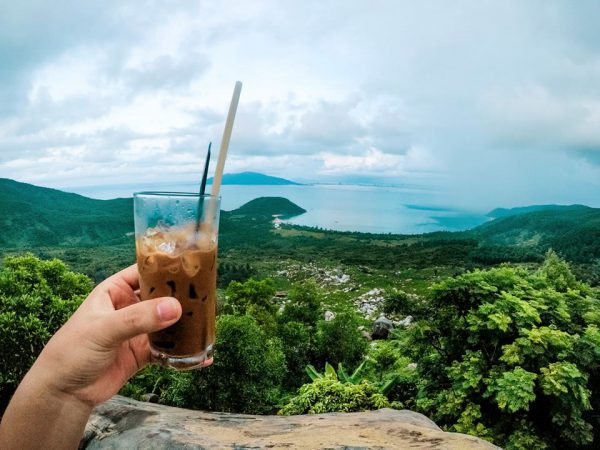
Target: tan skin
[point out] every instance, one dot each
(85, 363)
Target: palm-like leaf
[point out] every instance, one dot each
(312, 372)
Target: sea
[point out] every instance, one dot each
(342, 207)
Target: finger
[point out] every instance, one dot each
(143, 317)
(122, 287)
(130, 275)
(122, 296)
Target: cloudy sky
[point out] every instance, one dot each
(491, 102)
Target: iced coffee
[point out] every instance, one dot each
(177, 257)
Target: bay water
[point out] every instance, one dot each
(370, 209)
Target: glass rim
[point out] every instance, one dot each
(173, 194)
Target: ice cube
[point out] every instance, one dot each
(154, 232)
(168, 247)
(149, 265)
(147, 245)
(172, 266)
(191, 263)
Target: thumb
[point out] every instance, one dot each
(143, 317)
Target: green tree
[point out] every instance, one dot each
(340, 341)
(153, 379)
(510, 355)
(303, 305)
(245, 377)
(399, 302)
(36, 298)
(297, 341)
(297, 330)
(254, 298)
(231, 271)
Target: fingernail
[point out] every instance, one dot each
(167, 309)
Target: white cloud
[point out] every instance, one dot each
(456, 93)
(535, 117)
(374, 162)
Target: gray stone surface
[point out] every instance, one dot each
(382, 328)
(123, 423)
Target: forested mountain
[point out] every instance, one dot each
(573, 231)
(55, 223)
(253, 178)
(270, 206)
(33, 215)
(505, 212)
(36, 216)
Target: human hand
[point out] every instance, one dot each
(85, 363)
(104, 343)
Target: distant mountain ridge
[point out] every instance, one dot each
(253, 178)
(505, 212)
(38, 216)
(573, 231)
(34, 216)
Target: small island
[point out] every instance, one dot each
(254, 178)
(270, 207)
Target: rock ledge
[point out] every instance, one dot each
(125, 423)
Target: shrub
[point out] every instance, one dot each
(36, 298)
(152, 379)
(298, 347)
(245, 377)
(297, 331)
(240, 296)
(328, 394)
(303, 305)
(229, 272)
(254, 298)
(340, 341)
(511, 355)
(398, 302)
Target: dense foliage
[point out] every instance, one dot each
(334, 391)
(245, 377)
(512, 356)
(509, 354)
(573, 231)
(261, 352)
(328, 394)
(36, 298)
(34, 217)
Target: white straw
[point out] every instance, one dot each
(216, 184)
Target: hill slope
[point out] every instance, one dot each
(253, 178)
(270, 206)
(55, 223)
(505, 212)
(41, 217)
(34, 215)
(573, 231)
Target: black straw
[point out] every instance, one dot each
(203, 188)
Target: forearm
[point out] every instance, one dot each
(40, 417)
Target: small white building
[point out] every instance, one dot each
(277, 222)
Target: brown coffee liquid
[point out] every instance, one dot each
(191, 277)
